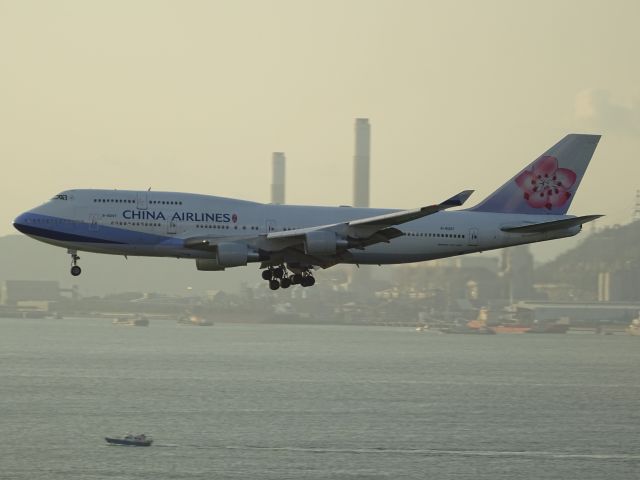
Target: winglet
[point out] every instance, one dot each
(457, 200)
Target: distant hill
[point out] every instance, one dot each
(613, 249)
(22, 258)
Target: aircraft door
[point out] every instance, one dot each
(93, 222)
(473, 237)
(172, 228)
(80, 216)
(270, 226)
(141, 201)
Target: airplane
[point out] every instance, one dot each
(290, 241)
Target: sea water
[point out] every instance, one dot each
(314, 402)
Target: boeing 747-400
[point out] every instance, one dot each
(289, 241)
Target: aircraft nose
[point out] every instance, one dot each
(20, 223)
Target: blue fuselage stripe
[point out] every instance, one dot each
(65, 230)
(62, 236)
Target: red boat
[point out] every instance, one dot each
(510, 328)
(549, 328)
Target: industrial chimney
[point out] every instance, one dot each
(361, 163)
(277, 187)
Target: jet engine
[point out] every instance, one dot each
(323, 243)
(227, 255)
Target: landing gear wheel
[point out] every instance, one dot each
(307, 281)
(75, 269)
(285, 282)
(296, 279)
(274, 284)
(267, 274)
(278, 272)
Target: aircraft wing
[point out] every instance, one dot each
(364, 228)
(359, 233)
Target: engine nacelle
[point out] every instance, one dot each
(208, 265)
(227, 255)
(323, 243)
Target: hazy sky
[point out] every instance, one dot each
(195, 95)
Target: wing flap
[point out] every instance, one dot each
(381, 236)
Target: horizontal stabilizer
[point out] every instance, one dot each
(551, 226)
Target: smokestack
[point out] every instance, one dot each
(277, 187)
(361, 163)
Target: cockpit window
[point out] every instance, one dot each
(61, 196)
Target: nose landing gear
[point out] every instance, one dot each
(75, 269)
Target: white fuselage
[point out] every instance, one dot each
(150, 223)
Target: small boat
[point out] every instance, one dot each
(135, 321)
(634, 327)
(140, 440)
(510, 328)
(195, 321)
(464, 329)
(549, 328)
(505, 323)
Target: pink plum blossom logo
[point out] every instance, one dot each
(546, 185)
(234, 218)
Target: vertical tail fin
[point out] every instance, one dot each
(548, 184)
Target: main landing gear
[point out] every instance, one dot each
(75, 269)
(280, 277)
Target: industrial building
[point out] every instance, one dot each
(361, 163)
(278, 179)
(16, 292)
(580, 314)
